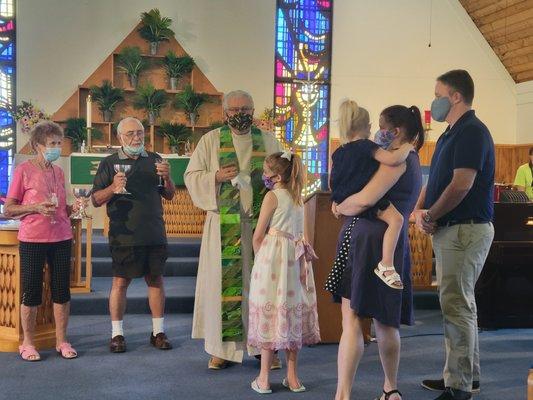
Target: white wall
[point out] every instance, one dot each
(380, 52)
(61, 42)
(525, 112)
(381, 57)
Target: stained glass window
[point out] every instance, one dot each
(7, 91)
(302, 83)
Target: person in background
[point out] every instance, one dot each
(524, 177)
(137, 235)
(458, 210)
(37, 196)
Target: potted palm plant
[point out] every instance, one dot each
(107, 98)
(190, 102)
(176, 67)
(76, 130)
(131, 62)
(155, 29)
(176, 135)
(151, 100)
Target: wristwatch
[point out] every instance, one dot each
(427, 217)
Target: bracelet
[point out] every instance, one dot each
(427, 217)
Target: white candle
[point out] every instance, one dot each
(89, 111)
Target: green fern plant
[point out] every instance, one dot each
(176, 67)
(132, 63)
(151, 100)
(76, 130)
(155, 29)
(190, 102)
(107, 98)
(175, 133)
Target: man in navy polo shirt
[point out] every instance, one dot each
(458, 210)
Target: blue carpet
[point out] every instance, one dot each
(146, 373)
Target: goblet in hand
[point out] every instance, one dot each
(125, 168)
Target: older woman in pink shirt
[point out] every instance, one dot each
(37, 196)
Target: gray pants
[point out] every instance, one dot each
(461, 251)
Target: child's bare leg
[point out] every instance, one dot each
(392, 217)
(292, 364)
(266, 361)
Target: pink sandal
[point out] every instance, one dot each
(27, 352)
(66, 351)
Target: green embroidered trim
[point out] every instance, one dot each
(230, 230)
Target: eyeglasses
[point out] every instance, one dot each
(130, 134)
(235, 110)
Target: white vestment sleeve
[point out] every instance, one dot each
(200, 178)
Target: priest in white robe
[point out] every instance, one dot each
(203, 178)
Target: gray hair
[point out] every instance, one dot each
(236, 93)
(126, 120)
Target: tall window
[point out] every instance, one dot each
(302, 83)
(7, 91)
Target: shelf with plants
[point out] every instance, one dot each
(170, 58)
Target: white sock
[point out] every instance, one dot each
(116, 328)
(158, 325)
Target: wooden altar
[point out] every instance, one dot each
(11, 287)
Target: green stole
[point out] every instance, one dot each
(230, 230)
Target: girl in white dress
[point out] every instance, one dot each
(282, 300)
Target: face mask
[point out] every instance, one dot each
(267, 180)
(440, 108)
(240, 121)
(133, 150)
(383, 138)
(52, 153)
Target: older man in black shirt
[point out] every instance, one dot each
(458, 210)
(137, 237)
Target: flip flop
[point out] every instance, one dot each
(390, 279)
(300, 389)
(256, 388)
(66, 351)
(26, 352)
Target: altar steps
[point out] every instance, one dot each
(180, 280)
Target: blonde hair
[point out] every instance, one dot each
(42, 131)
(352, 118)
(292, 173)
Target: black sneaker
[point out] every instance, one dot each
(438, 385)
(454, 394)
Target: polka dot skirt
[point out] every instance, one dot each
(339, 265)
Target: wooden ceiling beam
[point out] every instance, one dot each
(523, 76)
(506, 26)
(508, 56)
(510, 37)
(515, 69)
(501, 13)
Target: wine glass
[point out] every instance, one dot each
(81, 195)
(52, 198)
(161, 184)
(125, 168)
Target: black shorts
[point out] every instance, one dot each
(138, 261)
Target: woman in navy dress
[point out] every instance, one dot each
(363, 294)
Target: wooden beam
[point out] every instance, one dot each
(523, 76)
(515, 69)
(514, 45)
(519, 60)
(502, 13)
(510, 37)
(507, 26)
(509, 56)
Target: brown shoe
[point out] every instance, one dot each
(117, 344)
(217, 363)
(160, 341)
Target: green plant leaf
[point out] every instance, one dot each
(189, 100)
(107, 96)
(150, 99)
(155, 28)
(175, 66)
(131, 61)
(76, 130)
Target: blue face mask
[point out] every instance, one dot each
(133, 150)
(440, 107)
(52, 153)
(383, 138)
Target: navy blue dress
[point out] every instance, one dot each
(370, 296)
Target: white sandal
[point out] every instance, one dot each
(285, 383)
(391, 280)
(255, 387)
